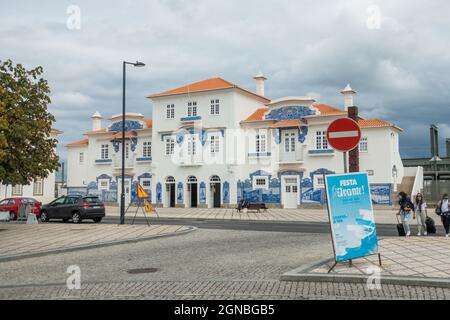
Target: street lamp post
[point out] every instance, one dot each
(122, 194)
(395, 175)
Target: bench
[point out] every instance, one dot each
(257, 207)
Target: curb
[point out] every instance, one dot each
(243, 220)
(304, 274)
(93, 246)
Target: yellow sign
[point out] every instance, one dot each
(148, 207)
(141, 193)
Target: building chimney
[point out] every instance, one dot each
(260, 78)
(348, 93)
(434, 140)
(447, 143)
(96, 121)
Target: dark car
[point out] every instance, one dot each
(75, 208)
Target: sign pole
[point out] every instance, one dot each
(345, 162)
(354, 154)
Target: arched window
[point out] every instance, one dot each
(214, 179)
(192, 179)
(170, 180)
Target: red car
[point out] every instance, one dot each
(11, 205)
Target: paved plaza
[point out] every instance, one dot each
(415, 260)
(384, 216)
(206, 264)
(22, 240)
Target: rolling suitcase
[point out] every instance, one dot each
(431, 226)
(400, 229)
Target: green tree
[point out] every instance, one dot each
(27, 150)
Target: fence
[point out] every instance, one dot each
(433, 190)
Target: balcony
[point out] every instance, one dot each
(129, 162)
(186, 160)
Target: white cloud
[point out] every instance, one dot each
(71, 100)
(401, 71)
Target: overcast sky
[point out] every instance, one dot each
(398, 61)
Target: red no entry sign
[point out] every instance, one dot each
(344, 134)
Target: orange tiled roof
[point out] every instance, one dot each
(258, 115)
(78, 143)
(325, 109)
(288, 124)
(128, 135)
(148, 123)
(205, 85)
(370, 123)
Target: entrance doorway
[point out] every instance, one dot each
(290, 193)
(192, 188)
(215, 192)
(170, 192)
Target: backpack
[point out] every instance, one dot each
(438, 208)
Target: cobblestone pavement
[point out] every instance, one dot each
(385, 216)
(22, 239)
(206, 264)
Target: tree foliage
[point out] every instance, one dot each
(27, 149)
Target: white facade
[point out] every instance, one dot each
(94, 163)
(43, 190)
(215, 144)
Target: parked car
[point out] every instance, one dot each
(12, 205)
(75, 208)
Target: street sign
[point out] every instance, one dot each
(344, 134)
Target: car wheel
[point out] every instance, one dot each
(44, 216)
(76, 217)
(97, 220)
(12, 216)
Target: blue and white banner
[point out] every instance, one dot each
(351, 216)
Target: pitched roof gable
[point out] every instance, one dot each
(205, 85)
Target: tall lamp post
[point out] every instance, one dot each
(395, 175)
(122, 194)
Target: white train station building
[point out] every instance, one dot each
(212, 143)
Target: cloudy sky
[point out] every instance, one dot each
(396, 54)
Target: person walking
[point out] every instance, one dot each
(406, 211)
(420, 212)
(444, 211)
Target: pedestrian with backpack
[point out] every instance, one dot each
(420, 212)
(444, 211)
(406, 211)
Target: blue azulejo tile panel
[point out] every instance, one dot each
(226, 192)
(180, 193)
(381, 194)
(260, 155)
(189, 119)
(103, 161)
(202, 193)
(246, 190)
(159, 193)
(319, 152)
(290, 113)
(130, 125)
(143, 159)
